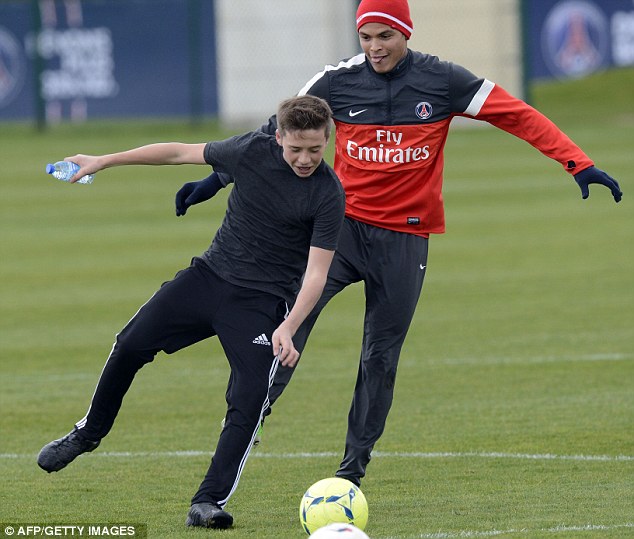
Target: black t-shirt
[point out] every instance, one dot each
(273, 216)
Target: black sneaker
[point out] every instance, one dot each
(59, 453)
(208, 515)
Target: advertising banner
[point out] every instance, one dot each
(573, 38)
(81, 58)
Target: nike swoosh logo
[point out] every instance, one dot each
(356, 113)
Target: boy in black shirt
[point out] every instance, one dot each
(282, 222)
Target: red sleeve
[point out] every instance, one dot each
(513, 115)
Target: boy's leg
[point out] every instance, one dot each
(246, 317)
(393, 284)
(177, 315)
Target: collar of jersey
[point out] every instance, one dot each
(399, 69)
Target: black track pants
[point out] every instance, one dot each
(392, 266)
(195, 305)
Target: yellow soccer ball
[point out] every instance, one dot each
(333, 500)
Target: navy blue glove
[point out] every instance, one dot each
(595, 175)
(194, 192)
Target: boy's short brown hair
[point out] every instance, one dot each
(304, 112)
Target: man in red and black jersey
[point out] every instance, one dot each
(392, 108)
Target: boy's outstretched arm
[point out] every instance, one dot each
(163, 153)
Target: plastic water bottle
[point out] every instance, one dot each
(64, 170)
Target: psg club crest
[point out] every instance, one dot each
(12, 67)
(423, 110)
(575, 39)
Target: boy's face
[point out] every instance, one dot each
(384, 46)
(303, 150)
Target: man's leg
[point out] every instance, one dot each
(343, 271)
(393, 284)
(283, 375)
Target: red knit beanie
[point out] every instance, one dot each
(394, 13)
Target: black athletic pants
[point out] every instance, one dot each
(195, 305)
(392, 267)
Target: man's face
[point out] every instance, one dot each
(303, 150)
(384, 46)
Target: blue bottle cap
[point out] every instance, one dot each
(50, 169)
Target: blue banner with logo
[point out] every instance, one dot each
(573, 38)
(87, 59)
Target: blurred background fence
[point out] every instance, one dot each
(235, 59)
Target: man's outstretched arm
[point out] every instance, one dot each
(595, 175)
(195, 192)
(495, 105)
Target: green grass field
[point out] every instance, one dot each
(514, 406)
